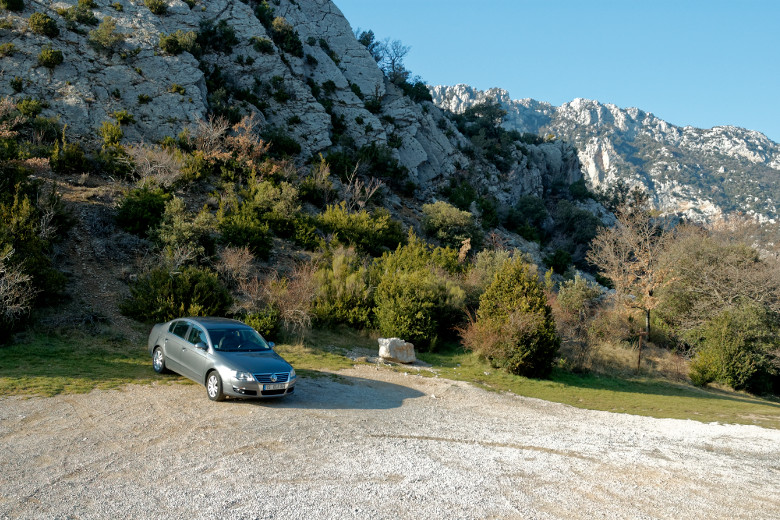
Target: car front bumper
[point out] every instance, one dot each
(259, 390)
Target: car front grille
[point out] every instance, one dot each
(281, 377)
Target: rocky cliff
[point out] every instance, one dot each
(701, 173)
(315, 83)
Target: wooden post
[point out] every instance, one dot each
(639, 355)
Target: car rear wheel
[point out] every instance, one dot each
(214, 386)
(158, 361)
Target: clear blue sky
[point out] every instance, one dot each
(701, 63)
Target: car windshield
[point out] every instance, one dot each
(231, 339)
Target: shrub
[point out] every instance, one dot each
(450, 226)
(111, 133)
(29, 107)
(7, 49)
(344, 295)
(736, 348)
(559, 261)
(105, 36)
(266, 321)
(262, 45)
(372, 233)
(16, 83)
(12, 5)
(143, 99)
(69, 158)
(180, 232)
(416, 297)
(161, 295)
(244, 228)
(81, 13)
(180, 41)
(123, 117)
(177, 89)
(42, 23)
(514, 328)
(141, 210)
(286, 37)
(220, 37)
(281, 145)
(50, 57)
(156, 6)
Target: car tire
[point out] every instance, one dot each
(158, 361)
(214, 386)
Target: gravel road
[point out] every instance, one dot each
(371, 443)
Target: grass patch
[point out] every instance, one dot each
(325, 349)
(639, 396)
(72, 363)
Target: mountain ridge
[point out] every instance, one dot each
(700, 173)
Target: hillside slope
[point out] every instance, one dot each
(697, 172)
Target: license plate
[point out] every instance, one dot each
(280, 386)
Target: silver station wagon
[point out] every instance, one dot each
(226, 356)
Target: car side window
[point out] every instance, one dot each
(197, 335)
(180, 329)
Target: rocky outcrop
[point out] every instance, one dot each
(696, 172)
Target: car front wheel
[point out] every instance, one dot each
(158, 361)
(214, 386)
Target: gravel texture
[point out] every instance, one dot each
(371, 443)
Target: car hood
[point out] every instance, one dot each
(256, 362)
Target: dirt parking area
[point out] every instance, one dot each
(371, 443)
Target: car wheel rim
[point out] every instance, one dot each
(158, 359)
(212, 386)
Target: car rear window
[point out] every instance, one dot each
(179, 328)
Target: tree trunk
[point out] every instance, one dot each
(647, 323)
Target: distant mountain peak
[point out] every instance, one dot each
(701, 173)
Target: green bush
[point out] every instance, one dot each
(161, 295)
(42, 23)
(527, 217)
(68, 158)
(281, 145)
(344, 294)
(12, 5)
(123, 117)
(559, 261)
(514, 328)
(417, 297)
(141, 210)
(81, 13)
(157, 6)
(245, 228)
(286, 37)
(178, 229)
(219, 38)
(144, 99)
(736, 348)
(175, 88)
(372, 233)
(266, 322)
(7, 49)
(111, 133)
(105, 36)
(29, 107)
(180, 41)
(262, 45)
(450, 226)
(50, 57)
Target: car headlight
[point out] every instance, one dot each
(243, 376)
(292, 374)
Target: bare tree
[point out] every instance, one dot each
(16, 292)
(631, 255)
(359, 192)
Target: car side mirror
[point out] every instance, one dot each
(271, 344)
(202, 346)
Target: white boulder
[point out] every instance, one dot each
(395, 349)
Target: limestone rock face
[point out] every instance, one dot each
(395, 349)
(330, 95)
(699, 173)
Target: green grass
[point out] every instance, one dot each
(51, 364)
(638, 396)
